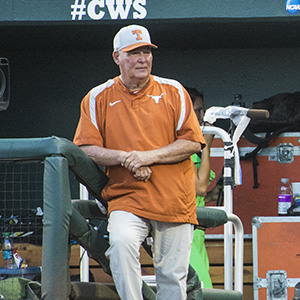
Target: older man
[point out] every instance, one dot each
(143, 129)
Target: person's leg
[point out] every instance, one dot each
(199, 258)
(171, 254)
(126, 234)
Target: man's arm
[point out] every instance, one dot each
(202, 174)
(104, 157)
(109, 157)
(175, 152)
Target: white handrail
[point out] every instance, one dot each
(84, 263)
(239, 252)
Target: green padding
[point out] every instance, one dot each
(86, 171)
(103, 291)
(57, 214)
(211, 217)
(216, 294)
(92, 290)
(14, 288)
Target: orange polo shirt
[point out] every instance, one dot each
(113, 117)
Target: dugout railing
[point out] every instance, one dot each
(59, 156)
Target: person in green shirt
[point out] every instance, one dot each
(203, 176)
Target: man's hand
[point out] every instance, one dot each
(136, 159)
(143, 174)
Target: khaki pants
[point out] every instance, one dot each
(171, 253)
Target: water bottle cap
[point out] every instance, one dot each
(284, 180)
(5, 233)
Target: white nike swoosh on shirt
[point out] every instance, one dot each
(113, 103)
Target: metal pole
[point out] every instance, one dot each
(239, 252)
(84, 263)
(228, 207)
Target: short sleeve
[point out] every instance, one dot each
(190, 128)
(88, 131)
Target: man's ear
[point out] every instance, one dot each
(116, 56)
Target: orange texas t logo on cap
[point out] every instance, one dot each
(131, 37)
(138, 34)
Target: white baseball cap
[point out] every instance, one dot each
(131, 37)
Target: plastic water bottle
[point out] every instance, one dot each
(8, 252)
(284, 197)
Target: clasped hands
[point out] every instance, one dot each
(138, 162)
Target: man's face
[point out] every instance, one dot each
(135, 64)
(198, 106)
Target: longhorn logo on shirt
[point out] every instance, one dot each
(156, 98)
